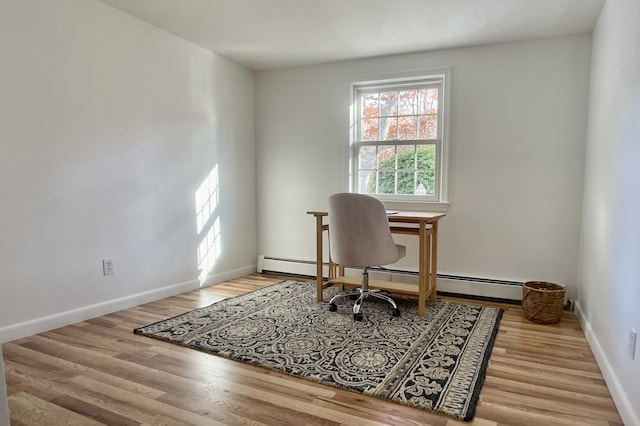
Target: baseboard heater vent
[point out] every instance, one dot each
(486, 288)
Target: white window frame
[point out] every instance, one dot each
(441, 77)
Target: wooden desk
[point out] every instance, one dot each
(424, 225)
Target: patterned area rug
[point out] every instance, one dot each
(436, 362)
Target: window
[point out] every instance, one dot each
(398, 139)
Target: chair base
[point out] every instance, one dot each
(362, 294)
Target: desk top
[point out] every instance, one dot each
(415, 217)
(402, 216)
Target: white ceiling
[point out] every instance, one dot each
(265, 34)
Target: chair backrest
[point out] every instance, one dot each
(359, 232)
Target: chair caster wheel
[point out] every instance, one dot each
(358, 317)
(333, 307)
(396, 312)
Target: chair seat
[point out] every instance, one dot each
(402, 251)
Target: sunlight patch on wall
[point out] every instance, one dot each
(208, 224)
(207, 199)
(209, 250)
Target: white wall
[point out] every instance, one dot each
(609, 285)
(518, 129)
(107, 128)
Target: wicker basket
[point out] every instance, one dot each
(543, 302)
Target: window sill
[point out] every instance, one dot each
(423, 206)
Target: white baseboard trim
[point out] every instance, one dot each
(230, 275)
(50, 322)
(466, 286)
(628, 411)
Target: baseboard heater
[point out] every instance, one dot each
(476, 287)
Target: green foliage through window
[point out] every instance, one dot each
(415, 173)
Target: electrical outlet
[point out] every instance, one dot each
(107, 267)
(633, 337)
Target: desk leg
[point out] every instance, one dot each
(319, 294)
(434, 261)
(423, 270)
(428, 265)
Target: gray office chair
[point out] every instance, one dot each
(359, 235)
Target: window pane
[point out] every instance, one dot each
(428, 101)
(369, 129)
(428, 128)
(407, 102)
(388, 128)
(406, 183)
(367, 157)
(388, 104)
(367, 182)
(426, 180)
(407, 128)
(387, 157)
(386, 182)
(406, 158)
(369, 105)
(426, 157)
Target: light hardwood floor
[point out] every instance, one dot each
(99, 372)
